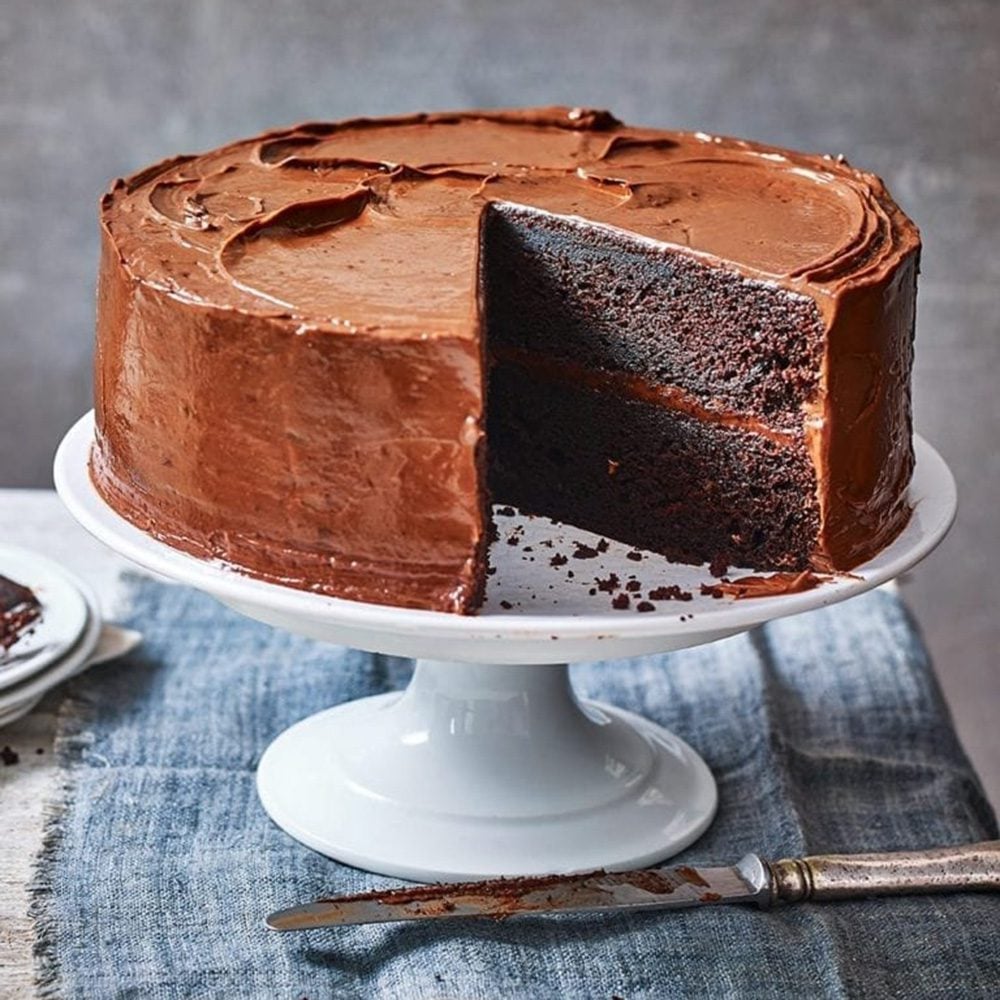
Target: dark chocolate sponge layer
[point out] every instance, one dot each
(647, 475)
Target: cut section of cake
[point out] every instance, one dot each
(648, 397)
(323, 352)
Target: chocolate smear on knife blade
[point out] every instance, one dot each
(503, 897)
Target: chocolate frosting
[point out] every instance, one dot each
(266, 225)
(771, 585)
(345, 256)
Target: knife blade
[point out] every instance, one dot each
(751, 880)
(499, 898)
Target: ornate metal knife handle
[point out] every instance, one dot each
(843, 876)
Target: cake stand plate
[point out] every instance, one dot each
(488, 764)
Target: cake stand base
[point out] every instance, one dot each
(480, 770)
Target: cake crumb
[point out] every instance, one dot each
(670, 593)
(603, 545)
(633, 585)
(506, 511)
(506, 605)
(609, 585)
(620, 602)
(8, 756)
(585, 551)
(645, 606)
(558, 560)
(718, 566)
(635, 555)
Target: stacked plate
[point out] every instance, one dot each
(58, 644)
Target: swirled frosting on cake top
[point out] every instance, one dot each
(373, 223)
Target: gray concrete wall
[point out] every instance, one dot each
(95, 88)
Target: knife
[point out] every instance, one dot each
(751, 880)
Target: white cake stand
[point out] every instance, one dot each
(488, 764)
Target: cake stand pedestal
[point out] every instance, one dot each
(485, 769)
(488, 764)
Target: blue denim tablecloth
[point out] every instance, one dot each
(827, 732)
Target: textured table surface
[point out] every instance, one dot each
(825, 732)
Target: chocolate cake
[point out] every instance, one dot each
(323, 352)
(19, 610)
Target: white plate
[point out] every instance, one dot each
(63, 618)
(76, 656)
(112, 643)
(15, 712)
